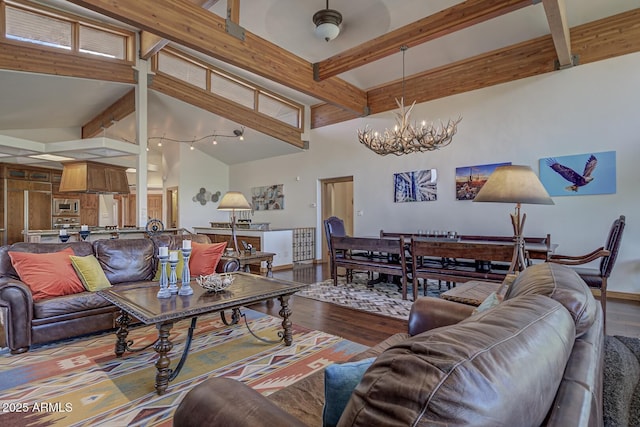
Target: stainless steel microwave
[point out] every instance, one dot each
(66, 207)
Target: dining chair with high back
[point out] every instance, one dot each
(333, 226)
(597, 277)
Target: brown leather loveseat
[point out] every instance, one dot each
(534, 359)
(124, 261)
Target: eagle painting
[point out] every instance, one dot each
(577, 180)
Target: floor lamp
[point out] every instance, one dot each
(515, 184)
(234, 201)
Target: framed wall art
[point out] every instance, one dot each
(267, 198)
(580, 174)
(415, 186)
(470, 179)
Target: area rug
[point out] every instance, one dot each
(81, 383)
(621, 387)
(381, 298)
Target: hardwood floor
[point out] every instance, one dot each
(623, 317)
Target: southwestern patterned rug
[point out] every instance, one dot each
(81, 383)
(381, 298)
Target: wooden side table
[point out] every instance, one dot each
(246, 259)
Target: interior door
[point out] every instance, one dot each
(337, 200)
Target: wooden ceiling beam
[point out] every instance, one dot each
(557, 17)
(447, 21)
(203, 31)
(227, 109)
(113, 113)
(46, 61)
(233, 11)
(150, 44)
(595, 41)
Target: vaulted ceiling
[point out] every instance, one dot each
(454, 47)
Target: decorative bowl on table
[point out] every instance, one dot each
(215, 282)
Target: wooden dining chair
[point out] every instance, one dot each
(597, 277)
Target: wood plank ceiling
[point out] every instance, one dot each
(186, 23)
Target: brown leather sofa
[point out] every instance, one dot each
(535, 359)
(124, 261)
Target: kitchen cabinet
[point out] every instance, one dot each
(32, 198)
(89, 209)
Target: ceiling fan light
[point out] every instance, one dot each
(327, 22)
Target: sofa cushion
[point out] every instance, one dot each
(562, 284)
(339, 381)
(205, 257)
(47, 275)
(6, 268)
(489, 369)
(68, 304)
(126, 260)
(90, 272)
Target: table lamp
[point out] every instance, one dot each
(515, 184)
(234, 201)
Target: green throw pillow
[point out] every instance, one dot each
(340, 379)
(90, 273)
(179, 268)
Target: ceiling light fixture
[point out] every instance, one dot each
(237, 133)
(406, 137)
(327, 22)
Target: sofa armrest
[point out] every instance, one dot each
(227, 402)
(227, 265)
(429, 313)
(17, 301)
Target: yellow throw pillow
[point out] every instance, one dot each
(179, 268)
(90, 273)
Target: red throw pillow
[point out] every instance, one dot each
(205, 257)
(48, 274)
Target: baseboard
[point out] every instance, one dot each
(626, 296)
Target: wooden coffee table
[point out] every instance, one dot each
(140, 301)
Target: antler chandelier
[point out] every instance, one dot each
(406, 137)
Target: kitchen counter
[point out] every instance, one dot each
(52, 236)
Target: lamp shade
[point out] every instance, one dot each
(234, 200)
(514, 184)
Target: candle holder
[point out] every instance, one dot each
(185, 288)
(84, 234)
(164, 283)
(173, 277)
(64, 238)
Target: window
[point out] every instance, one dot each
(102, 43)
(46, 27)
(232, 90)
(182, 69)
(30, 27)
(278, 109)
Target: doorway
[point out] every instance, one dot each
(172, 207)
(336, 200)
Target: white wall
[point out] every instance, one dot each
(588, 108)
(199, 170)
